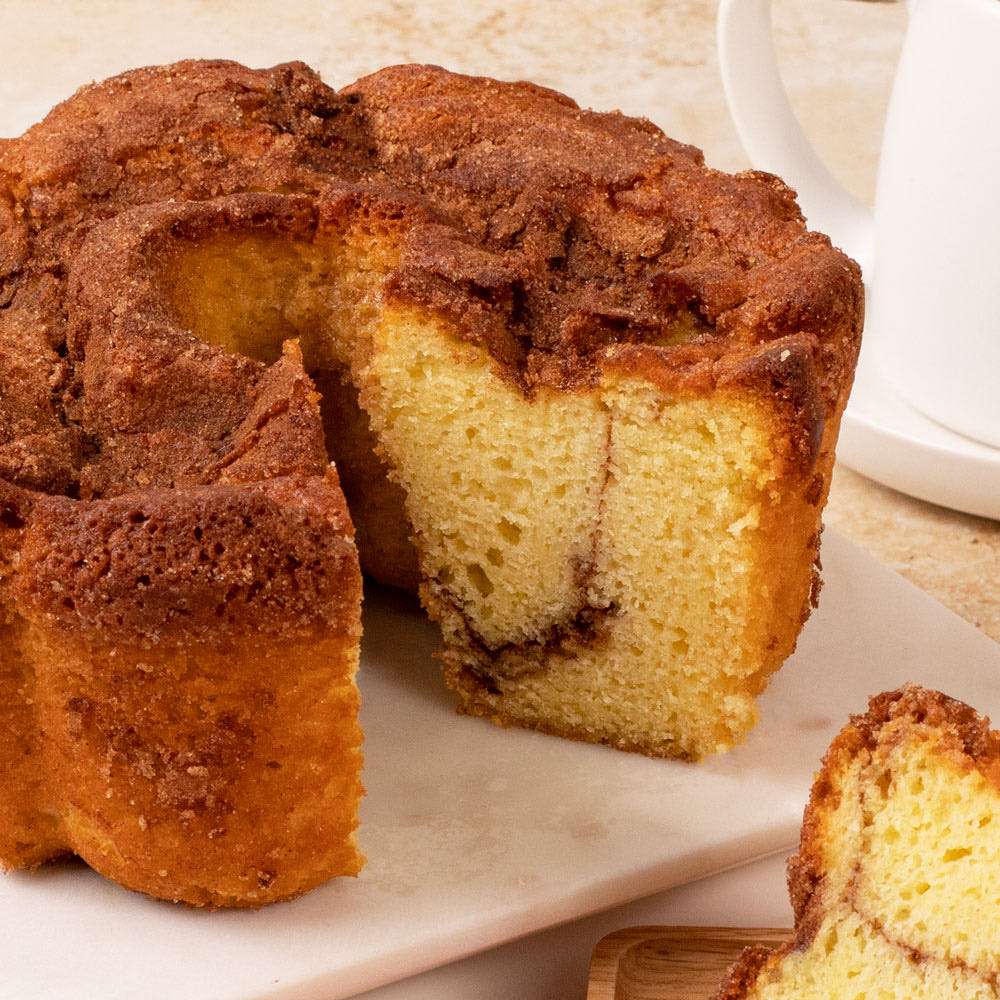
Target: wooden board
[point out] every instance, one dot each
(670, 963)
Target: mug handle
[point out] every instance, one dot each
(772, 135)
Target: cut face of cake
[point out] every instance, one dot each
(897, 880)
(581, 392)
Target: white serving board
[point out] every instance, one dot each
(478, 835)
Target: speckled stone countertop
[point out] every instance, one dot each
(650, 57)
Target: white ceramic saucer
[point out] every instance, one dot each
(884, 438)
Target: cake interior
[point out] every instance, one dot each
(912, 873)
(600, 559)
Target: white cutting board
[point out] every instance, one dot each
(478, 835)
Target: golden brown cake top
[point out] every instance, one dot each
(589, 229)
(191, 131)
(206, 562)
(564, 239)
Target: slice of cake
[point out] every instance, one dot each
(896, 886)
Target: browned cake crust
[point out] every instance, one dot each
(962, 734)
(566, 234)
(567, 242)
(180, 587)
(563, 238)
(188, 658)
(742, 976)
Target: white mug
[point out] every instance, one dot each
(931, 249)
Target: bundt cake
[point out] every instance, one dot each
(579, 389)
(897, 879)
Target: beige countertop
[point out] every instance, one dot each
(650, 57)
